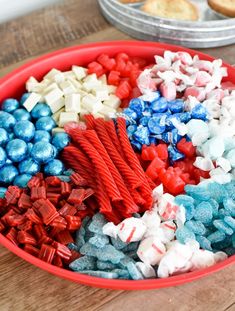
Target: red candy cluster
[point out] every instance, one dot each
(154, 160)
(42, 218)
(122, 71)
(103, 156)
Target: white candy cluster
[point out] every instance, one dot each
(72, 94)
(179, 72)
(156, 232)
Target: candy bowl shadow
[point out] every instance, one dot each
(13, 85)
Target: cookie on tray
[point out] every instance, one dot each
(174, 9)
(225, 7)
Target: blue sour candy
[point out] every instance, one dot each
(203, 212)
(184, 234)
(83, 263)
(99, 240)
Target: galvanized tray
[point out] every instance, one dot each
(211, 30)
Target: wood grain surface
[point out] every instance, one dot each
(24, 287)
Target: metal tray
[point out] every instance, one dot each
(211, 30)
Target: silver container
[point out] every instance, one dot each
(211, 30)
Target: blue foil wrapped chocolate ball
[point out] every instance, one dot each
(29, 166)
(8, 174)
(9, 105)
(22, 180)
(3, 157)
(42, 152)
(45, 124)
(29, 147)
(4, 137)
(41, 136)
(16, 150)
(60, 140)
(7, 121)
(24, 130)
(41, 110)
(54, 167)
(24, 97)
(21, 114)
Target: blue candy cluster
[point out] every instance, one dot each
(210, 216)
(103, 256)
(152, 119)
(26, 143)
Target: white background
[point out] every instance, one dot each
(10, 9)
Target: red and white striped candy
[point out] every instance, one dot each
(151, 250)
(131, 230)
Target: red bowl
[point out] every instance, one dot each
(13, 85)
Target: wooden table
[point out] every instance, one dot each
(26, 288)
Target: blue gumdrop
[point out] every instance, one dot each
(54, 167)
(9, 105)
(196, 227)
(216, 237)
(3, 157)
(60, 140)
(41, 110)
(83, 263)
(8, 174)
(41, 136)
(174, 154)
(135, 274)
(184, 234)
(199, 112)
(203, 212)
(142, 135)
(4, 137)
(24, 97)
(230, 221)
(42, 152)
(217, 192)
(183, 199)
(99, 240)
(222, 226)
(24, 130)
(204, 242)
(22, 180)
(144, 121)
(137, 105)
(104, 265)
(16, 150)
(199, 193)
(45, 124)
(7, 121)
(229, 205)
(176, 106)
(159, 105)
(97, 223)
(156, 125)
(29, 166)
(130, 113)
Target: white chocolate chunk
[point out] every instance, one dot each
(111, 89)
(52, 86)
(56, 106)
(32, 101)
(73, 103)
(66, 117)
(113, 102)
(57, 130)
(31, 84)
(91, 82)
(56, 116)
(107, 111)
(103, 79)
(101, 92)
(67, 87)
(52, 73)
(79, 72)
(76, 83)
(40, 87)
(69, 75)
(53, 96)
(91, 103)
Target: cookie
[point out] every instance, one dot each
(174, 9)
(225, 7)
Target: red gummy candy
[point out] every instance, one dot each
(26, 238)
(186, 147)
(47, 253)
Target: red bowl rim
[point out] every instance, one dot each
(101, 282)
